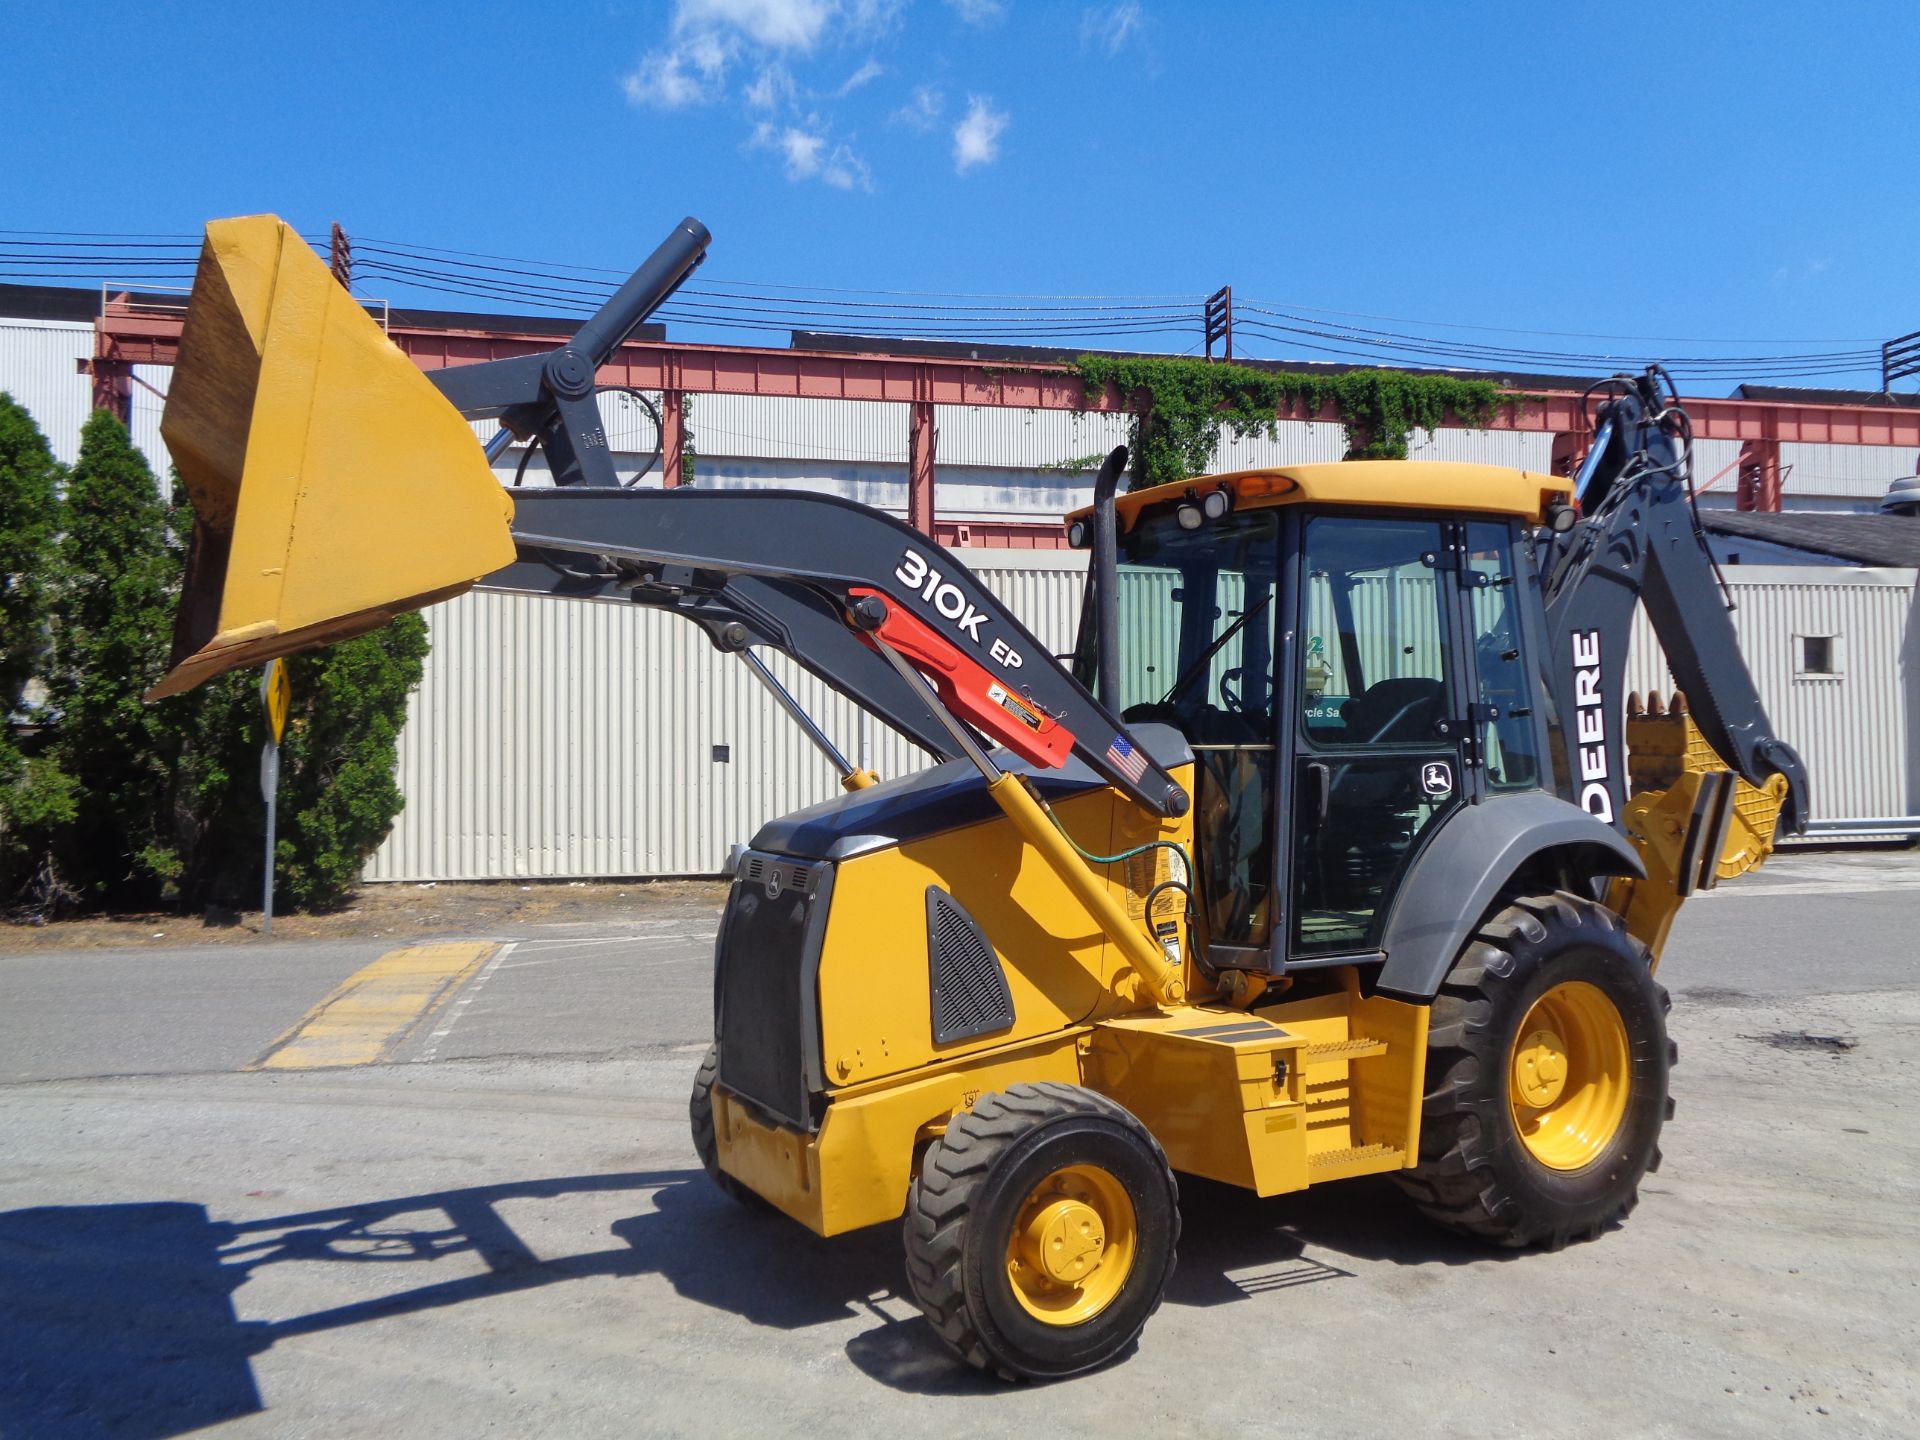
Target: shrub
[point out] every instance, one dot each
(114, 585)
(34, 795)
(338, 797)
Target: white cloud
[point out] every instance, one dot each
(1110, 27)
(872, 70)
(923, 108)
(809, 154)
(776, 24)
(802, 151)
(766, 57)
(772, 87)
(871, 17)
(845, 170)
(689, 74)
(976, 139)
(978, 12)
(709, 35)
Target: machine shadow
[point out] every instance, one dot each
(120, 1319)
(1234, 1247)
(1227, 1230)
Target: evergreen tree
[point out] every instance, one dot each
(115, 582)
(35, 797)
(29, 495)
(338, 797)
(146, 804)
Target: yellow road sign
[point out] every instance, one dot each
(276, 694)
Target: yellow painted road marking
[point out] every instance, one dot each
(368, 1016)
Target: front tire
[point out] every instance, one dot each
(1547, 1064)
(1040, 1231)
(706, 1144)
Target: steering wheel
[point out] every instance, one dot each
(1230, 699)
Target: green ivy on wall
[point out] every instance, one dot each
(1180, 407)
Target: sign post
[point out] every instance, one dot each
(276, 693)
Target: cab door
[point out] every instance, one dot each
(1378, 743)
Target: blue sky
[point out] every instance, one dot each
(1737, 173)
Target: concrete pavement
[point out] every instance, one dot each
(501, 1228)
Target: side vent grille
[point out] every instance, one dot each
(970, 994)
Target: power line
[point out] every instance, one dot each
(767, 308)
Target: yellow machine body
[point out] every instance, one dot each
(917, 959)
(333, 486)
(1273, 1098)
(1426, 486)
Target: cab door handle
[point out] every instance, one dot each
(1319, 794)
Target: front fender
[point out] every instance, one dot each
(1461, 870)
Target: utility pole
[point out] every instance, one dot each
(340, 257)
(1899, 359)
(276, 693)
(1217, 321)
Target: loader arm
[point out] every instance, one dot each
(335, 486)
(843, 552)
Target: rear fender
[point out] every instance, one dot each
(1467, 864)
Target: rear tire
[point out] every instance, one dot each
(1547, 1064)
(705, 1144)
(1040, 1231)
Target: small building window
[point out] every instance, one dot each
(1816, 657)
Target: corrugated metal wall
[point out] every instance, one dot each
(1858, 731)
(1717, 463)
(536, 749)
(1850, 470)
(38, 360)
(563, 740)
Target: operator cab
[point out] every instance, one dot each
(1346, 677)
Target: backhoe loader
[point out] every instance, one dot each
(1320, 860)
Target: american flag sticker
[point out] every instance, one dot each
(1127, 760)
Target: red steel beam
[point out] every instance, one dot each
(673, 438)
(920, 442)
(128, 335)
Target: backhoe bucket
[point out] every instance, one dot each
(333, 486)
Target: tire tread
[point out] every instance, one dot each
(940, 1198)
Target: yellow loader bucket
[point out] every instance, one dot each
(333, 486)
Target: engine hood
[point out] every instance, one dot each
(941, 798)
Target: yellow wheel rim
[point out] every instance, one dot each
(1569, 1076)
(1072, 1245)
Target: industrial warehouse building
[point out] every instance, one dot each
(560, 740)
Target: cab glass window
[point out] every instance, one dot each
(1373, 654)
(1506, 727)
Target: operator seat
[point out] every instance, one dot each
(1397, 711)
